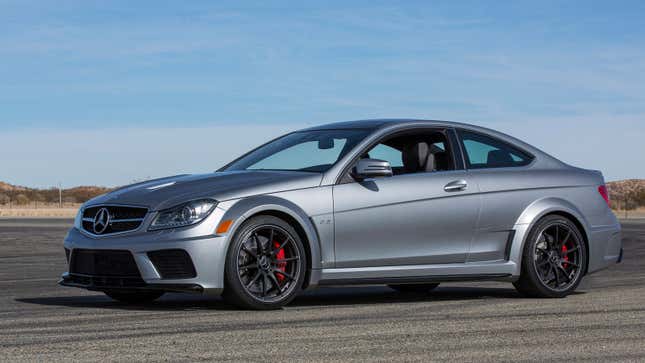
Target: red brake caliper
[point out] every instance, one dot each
(566, 257)
(282, 266)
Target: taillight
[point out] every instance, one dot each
(605, 195)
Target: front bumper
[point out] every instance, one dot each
(207, 252)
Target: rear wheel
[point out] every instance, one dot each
(414, 288)
(554, 259)
(134, 296)
(265, 264)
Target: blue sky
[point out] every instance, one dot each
(189, 85)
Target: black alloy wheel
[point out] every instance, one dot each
(265, 264)
(554, 259)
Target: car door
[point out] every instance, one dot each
(411, 218)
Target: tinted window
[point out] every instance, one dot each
(414, 152)
(312, 151)
(387, 153)
(486, 152)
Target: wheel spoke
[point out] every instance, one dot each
(566, 238)
(249, 251)
(264, 285)
(275, 282)
(258, 244)
(556, 241)
(277, 250)
(248, 266)
(569, 263)
(253, 280)
(557, 277)
(544, 262)
(572, 250)
(566, 274)
(291, 278)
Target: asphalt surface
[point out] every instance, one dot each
(604, 321)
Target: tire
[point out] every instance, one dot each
(554, 259)
(135, 296)
(414, 288)
(265, 265)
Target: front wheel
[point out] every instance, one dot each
(554, 259)
(134, 296)
(265, 264)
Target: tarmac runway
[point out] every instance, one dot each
(484, 321)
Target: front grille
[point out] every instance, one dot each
(102, 220)
(106, 263)
(173, 264)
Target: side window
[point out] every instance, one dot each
(486, 152)
(387, 153)
(414, 152)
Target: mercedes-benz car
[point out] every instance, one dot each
(404, 203)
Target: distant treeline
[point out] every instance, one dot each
(627, 194)
(20, 196)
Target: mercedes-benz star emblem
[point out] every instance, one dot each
(101, 221)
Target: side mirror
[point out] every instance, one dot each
(371, 168)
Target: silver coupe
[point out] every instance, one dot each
(404, 203)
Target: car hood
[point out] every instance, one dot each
(167, 192)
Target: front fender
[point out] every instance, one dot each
(241, 210)
(531, 215)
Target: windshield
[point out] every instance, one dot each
(311, 151)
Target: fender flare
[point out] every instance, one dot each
(532, 214)
(243, 209)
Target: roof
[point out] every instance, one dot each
(379, 123)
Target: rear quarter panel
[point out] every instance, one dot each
(513, 199)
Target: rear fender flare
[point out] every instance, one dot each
(531, 215)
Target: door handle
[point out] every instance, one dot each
(456, 186)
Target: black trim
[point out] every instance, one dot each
(620, 257)
(509, 244)
(457, 152)
(410, 280)
(112, 263)
(103, 283)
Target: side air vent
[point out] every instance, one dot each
(173, 264)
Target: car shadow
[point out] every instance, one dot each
(327, 296)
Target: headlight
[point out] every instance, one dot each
(183, 215)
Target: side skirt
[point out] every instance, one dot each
(494, 270)
(413, 280)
